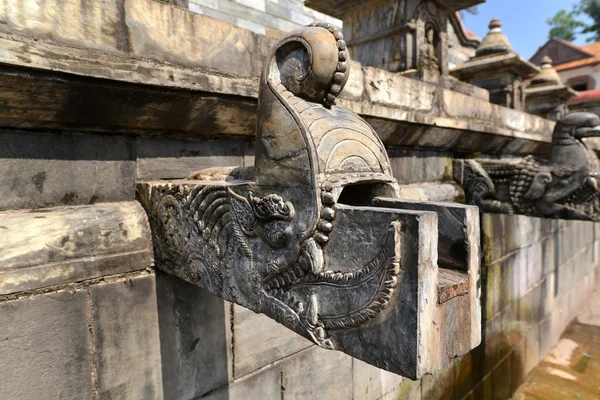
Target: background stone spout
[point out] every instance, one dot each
(563, 186)
(315, 236)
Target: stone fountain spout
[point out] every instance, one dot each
(314, 235)
(564, 186)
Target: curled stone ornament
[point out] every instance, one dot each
(314, 234)
(563, 186)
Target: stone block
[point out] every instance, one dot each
(317, 373)
(549, 255)
(195, 339)
(532, 341)
(491, 296)
(547, 295)
(494, 343)
(408, 390)
(126, 336)
(205, 3)
(278, 10)
(493, 237)
(260, 341)
(160, 158)
(45, 347)
(256, 4)
(41, 248)
(501, 380)
(230, 19)
(370, 382)
(264, 384)
(531, 306)
(45, 169)
(252, 26)
(535, 267)
(440, 386)
(517, 367)
(484, 390)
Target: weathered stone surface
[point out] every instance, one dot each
(329, 377)
(564, 186)
(126, 337)
(44, 347)
(264, 384)
(54, 246)
(195, 339)
(277, 238)
(40, 169)
(208, 74)
(160, 158)
(260, 341)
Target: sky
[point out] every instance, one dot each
(523, 21)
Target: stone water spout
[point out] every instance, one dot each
(314, 235)
(564, 186)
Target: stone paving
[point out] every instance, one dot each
(572, 369)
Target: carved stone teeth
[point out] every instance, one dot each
(338, 276)
(341, 45)
(312, 310)
(325, 226)
(341, 67)
(338, 35)
(330, 98)
(321, 238)
(343, 56)
(320, 332)
(328, 213)
(328, 198)
(298, 271)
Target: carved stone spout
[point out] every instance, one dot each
(564, 186)
(314, 235)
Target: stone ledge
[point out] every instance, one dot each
(194, 86)
(54, 246)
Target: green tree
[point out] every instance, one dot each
(591, 8)
(568, 25)
(564, 25)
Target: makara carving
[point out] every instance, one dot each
(564, 186)
(314, 235)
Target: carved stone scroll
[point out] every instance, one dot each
(314, 235)
(564, 186)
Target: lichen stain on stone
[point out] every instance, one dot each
(38, 180)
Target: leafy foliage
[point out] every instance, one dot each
(564, 25)
(568, 25)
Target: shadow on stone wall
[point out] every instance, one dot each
(194, 339)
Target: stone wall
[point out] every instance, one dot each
(82, 312)
(265, 17)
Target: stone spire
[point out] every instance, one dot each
(547, 74)
(495, 41)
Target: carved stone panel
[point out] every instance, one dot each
(314, 235)
(563, 186)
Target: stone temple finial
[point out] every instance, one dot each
(547, 73)
(495, 41)
(495, 24)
